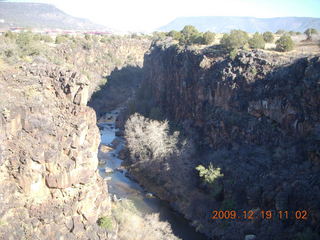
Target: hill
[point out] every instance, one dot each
(249, 24)
(39, 15)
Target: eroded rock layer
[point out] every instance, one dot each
(50, 187)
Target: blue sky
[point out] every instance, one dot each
(146, 15)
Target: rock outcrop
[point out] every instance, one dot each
(257, 117)
(50, 187)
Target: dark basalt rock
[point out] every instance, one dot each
(257, 118)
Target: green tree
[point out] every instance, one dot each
(10, 35)
(257, 41)
(175, 35)
(190, 35)
(309, 32)
(210, 174)
(158, 35)
(268, 37)
(280, 32)
(208, 37)
(24, 39)
(61, 39)
(235, 40)
(284, 44)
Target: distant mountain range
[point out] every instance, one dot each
(40, 15)
(248, 24)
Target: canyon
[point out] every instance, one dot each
(255, 117)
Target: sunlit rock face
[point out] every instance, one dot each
(50, 188)
(256, 117)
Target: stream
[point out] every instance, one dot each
(121, 187)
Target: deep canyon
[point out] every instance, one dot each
(256, 117)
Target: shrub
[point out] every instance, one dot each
(292, 33)
(210, 174)
(61, 39)
(284, 44)
(175, 35)
(130, 221)
(105, 222)
(210, 177)
(309, 32)
(24, 39)
(158, 35)
(233, 54)
(208, 37)
(9, 53)
(280, 32)
(46, 38)
(268, 37)
(257, 41)
(10, 35)
(87, 45)
(149, 139)
(87, 37)
(235, 40)
(190, 35)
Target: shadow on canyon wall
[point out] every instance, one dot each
(120, 86)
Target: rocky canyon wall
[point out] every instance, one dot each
(50, 187)
(257, 118)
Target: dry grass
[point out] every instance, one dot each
(135, 226)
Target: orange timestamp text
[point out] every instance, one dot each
(254, 214)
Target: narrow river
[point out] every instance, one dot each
(122, 187)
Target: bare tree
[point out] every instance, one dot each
(149, 139)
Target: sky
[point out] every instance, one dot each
(147, 15)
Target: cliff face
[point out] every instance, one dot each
(257, 117)
(50, 187)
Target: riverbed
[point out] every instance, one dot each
(121, 187)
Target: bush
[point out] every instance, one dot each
(24, 39)
(292, 33)
(105, 222)
(210, 174)
(190, 35)
(27, 44)
(235, 40)
(87, 45)
(284, 44)
(268, 37)
(46, 38)
(158, 35)
(175, 35)
(149, 139)
(10, 35)
(280, 32)
(61, 39)
(309, 32)
(257, 41)
(208, 37)
(130, 220)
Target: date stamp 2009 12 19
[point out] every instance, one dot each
(252, 215)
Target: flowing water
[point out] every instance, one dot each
(122, 187)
